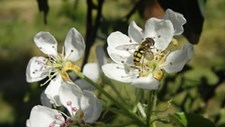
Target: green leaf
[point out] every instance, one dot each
(192, 120)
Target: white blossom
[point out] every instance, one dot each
(55, 65)
(160, 55)
(83, 108)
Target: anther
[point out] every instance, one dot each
(51, 125)
(58, 117)
(69, 103)
(74, 109)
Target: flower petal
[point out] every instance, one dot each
(91, 107)
(91, 70)
(120, 44)
(46, 43)
(176, 60)
(84, 85)
(52, 90)
(41, 116)
(36, 69)
(28, 123)
(119, 57)
(74, 45)
(135, 32)
(160, 30)
(119, 72)
(149, 83)
(70, 96)
(45, 101)
(177, 20)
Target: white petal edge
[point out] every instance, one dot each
(47, 43)
(176, 60)
(118, 72)
(41, 116)
(177, 20)
(28, 123)
(74, 45)
(149, 83)
(160, 30)
(36, 69)
(135, 32)
(69, 92)
(91, 107)
(117, 38)
(52, 90)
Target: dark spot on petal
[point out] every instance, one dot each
(71, 50)
(159, 36)
(130, 40)
(171, 63)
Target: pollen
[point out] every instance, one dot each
(158, 74)
(174, 42)
(70, 66)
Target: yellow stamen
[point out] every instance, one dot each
(69, 66)
(174, 42)
(158, 74)
(65, 76)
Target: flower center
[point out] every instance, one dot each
(150, 65)
(59, 65)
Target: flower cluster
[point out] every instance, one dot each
(82, 105)
(142, 57)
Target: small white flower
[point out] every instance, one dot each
(83, 108)
(143, 65)
(56, 65)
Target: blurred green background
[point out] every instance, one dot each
(20, 20)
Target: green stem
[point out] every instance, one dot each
(128, 113)
(152, 100)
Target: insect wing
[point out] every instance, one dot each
(127, 47)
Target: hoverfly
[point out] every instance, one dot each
(144, 51)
